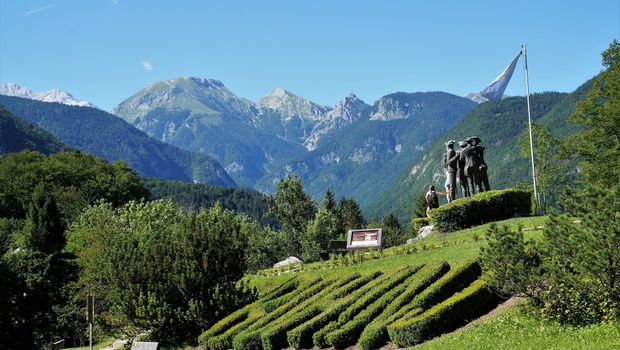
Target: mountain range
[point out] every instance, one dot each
(344, 147)
(54, 95)
(111, 138)
(383, 154)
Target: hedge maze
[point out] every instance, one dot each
(406, 306)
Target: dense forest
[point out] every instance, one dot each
(195, 196)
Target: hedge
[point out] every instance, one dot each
(450, 283)
(466, 305)
(349, 332)
(288, 286)
(481, 208)
(360, 300)
(301, 336)
(223, 325)
(375, 334)
(390, 282)
(417, 224)
(274, 338)
(224, 341)
(251, 337)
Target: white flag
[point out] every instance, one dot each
(495, 90)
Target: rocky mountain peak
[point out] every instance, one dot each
(54, 95)
(290, 105)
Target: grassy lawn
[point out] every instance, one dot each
(517, 330)
(106, 342)
(453, 247)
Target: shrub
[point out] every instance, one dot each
(354, 302)
(224, 340)
(468, 304)
(223, 325)
(481, 208)
(301, 336)
(417, 224)
(348, 333)
(276, 292)
(275, 336)
(292, 310)
(450, 283)
(390, 282)
(375, 334)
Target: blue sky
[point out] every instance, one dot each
(104, 51)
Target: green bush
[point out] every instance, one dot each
(354, 302)
(274, 338)
(468, 304)
(301, 336)
(298, 306)
(417, 224)
(390, 282)
(348, 333)
(224, 340)
(450, 283)
(375, 334)
(223, 325)
(482, 208)
(276, 292)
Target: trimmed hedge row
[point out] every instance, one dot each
(360, 300)
(468, 304)
(274, 338)
(392, 281)
(288, 286)
(224, 324)
(482, 208)
(348, 333)
(450, 283)
(224, 341)
(375, 334)
(251, 337)
(301, 336)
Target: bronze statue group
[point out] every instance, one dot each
(468, 165)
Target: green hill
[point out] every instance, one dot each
(499, 126)
(17, 135)
(109, 137)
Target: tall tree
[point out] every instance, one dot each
(44, 230)
(323, 228)
(598, 141)
(551, 169)
(352, 217)
(294, 209)
(328, 201)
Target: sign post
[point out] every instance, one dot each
(90, 315)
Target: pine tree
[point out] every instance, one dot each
(598, 141)
(44, 230)
(294, 209)
(352, 217)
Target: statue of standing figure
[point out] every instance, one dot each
(450, 159)
(469, 164)
(461, 170)
(482, 165)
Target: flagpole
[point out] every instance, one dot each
(529, 118)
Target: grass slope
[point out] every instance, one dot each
(515, 329)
